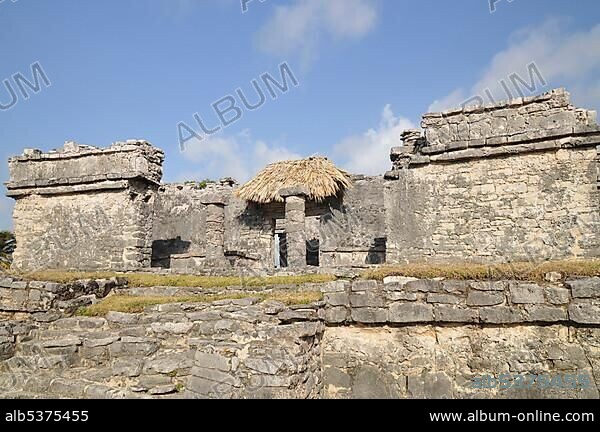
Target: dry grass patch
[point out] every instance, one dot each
(135, 304)
(152, 280)
(516, 271)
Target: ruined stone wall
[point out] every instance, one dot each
(520, 119)
(353, 230)
(179, 229)
(249, 230)
(449, 362)
(438, 339)
(403, 338)
(93, 230)
(512, 181)
(179, 226)
(85, 208)
(230, 348)
(47, 301)
(515, 181)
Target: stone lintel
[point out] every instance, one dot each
(299, 191)
(214, 199)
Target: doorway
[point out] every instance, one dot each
(280, 249)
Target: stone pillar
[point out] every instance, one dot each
(215, 227)
(295, 228)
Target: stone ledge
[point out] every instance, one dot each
(19, 191)
(490, 150)
(17, 295)
(75, 165)
(419, 301)
(560, 94)
(84, 151)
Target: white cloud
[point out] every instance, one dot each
(238, 156)
(369, 153)
(565, 59)
(299, 27)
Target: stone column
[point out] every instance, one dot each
(295, 228)
(215, 227)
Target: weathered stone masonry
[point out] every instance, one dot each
(85, 208)
(509, 182)
(404, 338)
(514, 181)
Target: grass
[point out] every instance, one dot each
(518, 271)
(515, 271)
(134, 304)
(152, 280)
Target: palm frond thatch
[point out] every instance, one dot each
(318, 175)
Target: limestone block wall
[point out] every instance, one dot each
(85, 208)
(249, 230)
(351, 231)
(404, 338)
(179, 229)
(404, 301)
(94, 230)
(520, 119)
(179, 225)
(412, 338)
(537, 206)
(230, 348)
(79, 164)
(524, 188)
(448, 362)
(47, 301)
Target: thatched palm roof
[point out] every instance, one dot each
(319, 176)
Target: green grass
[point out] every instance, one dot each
(152, 280)
(515, 271)
(134, 304)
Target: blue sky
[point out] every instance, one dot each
(366, 69)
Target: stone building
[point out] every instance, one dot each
(513, 181)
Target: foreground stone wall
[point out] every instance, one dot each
(405, 338)
(230, 348)
(510, 182)
(436, 338)
(48, 301)
(449, 362)
(403, 301)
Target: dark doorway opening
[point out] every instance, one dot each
(280, 248)
(313, 252)
(163, 249)
(377, 251)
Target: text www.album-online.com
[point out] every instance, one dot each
(537, 416)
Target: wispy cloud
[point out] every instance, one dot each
(301, 26)
(569, 59)
(369, 153)
(238, 156)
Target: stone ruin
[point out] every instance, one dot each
(509, 182)
(516, 181)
